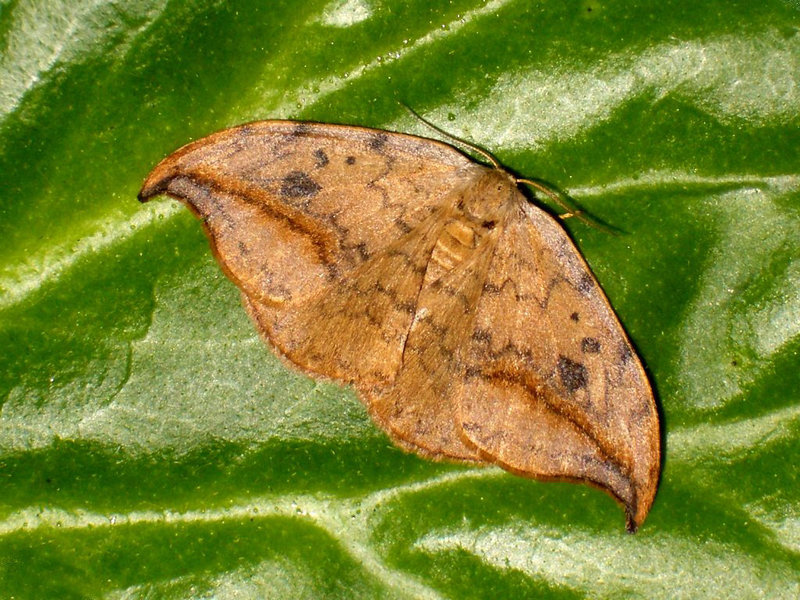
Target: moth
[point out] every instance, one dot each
(461, 313)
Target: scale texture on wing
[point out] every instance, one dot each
(463, 315)
(354, 330)
(552, 386)
(419, 410)
(291, 207)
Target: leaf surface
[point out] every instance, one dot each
(151, 446)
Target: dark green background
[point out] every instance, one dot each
(151, 447)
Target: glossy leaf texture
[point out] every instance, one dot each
(150, 446)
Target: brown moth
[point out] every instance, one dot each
(461, 313)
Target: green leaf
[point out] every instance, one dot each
(151, 446)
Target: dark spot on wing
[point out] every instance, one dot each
(573, 374)
(350, 160)
(299, 185)
(378, 141)
(402, 225)
(488, 225)
(321, 158)
(585, 283)
(472, 427)
(625, 353)
(482, 335)
(301, 129)
(410, 308)
(471, 372)
(589, 345)
(332, 271)
(575, 317)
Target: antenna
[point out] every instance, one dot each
(557, 197)
(473, 147)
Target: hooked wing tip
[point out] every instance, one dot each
(159, 179)
(151, 187)
(637, 509)
(143, 196)
(631, 526)
(156, 184)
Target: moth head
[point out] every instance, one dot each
(488, 198)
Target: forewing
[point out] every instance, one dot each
(290, 207)
(552, 387)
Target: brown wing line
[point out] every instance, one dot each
(531, 360)
(326, 198)
(643, 487)
(503, 378)
(546, 378)
(297, 220)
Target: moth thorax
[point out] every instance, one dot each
(479, 211)
(456, 242)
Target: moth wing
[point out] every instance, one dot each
(552, 387)
(291, 207)
(419, 409)
(396, 340)
(356, 332)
